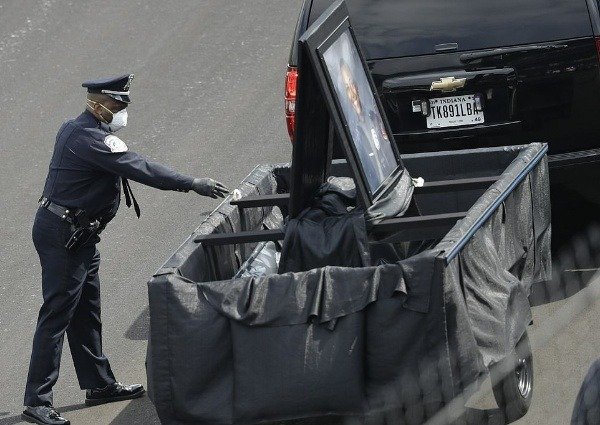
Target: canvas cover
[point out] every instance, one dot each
(330, 232)
(405, 337)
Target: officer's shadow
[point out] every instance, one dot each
(139, 411)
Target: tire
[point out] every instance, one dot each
(512, 381)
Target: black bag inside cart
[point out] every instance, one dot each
(407, 336)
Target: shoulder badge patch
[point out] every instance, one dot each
(115, 144)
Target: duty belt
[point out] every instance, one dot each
(63, 212)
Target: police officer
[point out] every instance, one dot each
(81, 195)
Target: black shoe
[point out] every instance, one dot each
(43, 415)
(113, 392)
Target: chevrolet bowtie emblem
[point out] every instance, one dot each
(448, 84)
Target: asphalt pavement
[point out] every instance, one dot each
(207, 100)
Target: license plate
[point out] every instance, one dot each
(453, 112)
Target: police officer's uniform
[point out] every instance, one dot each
(88, 167)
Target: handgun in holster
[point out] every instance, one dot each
(82, 230)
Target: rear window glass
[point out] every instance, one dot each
(391, 28)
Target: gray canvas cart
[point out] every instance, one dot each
(408, 336)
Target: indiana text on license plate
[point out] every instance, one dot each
(453, 112)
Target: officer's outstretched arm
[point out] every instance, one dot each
(113, 156)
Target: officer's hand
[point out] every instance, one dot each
(209, 187)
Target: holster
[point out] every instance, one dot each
(82, 230)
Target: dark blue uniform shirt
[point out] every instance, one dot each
(87, 165)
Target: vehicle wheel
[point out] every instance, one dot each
(512, 381)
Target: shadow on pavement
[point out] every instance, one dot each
(12, 420)
(140, 328)
(139, 411)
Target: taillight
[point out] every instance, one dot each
(291, 79)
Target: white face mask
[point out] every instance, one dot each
(119, 119)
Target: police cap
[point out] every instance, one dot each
(115, 87)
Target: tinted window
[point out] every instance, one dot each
(389, 28)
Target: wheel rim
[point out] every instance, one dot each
(524, 377)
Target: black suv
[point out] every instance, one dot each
(463, 74)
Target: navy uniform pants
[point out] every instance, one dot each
(71, 293)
